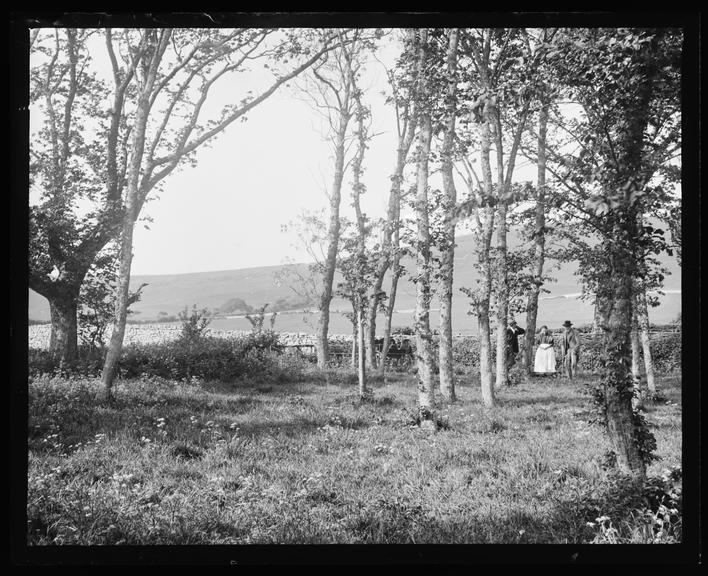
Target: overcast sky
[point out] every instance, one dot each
(228, 211)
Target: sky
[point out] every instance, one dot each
(228, 211)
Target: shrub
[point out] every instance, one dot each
(665, 352)
(194, 323)
(207, 358)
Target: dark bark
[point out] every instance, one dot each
(63, 339)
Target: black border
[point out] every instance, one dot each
(647, 556)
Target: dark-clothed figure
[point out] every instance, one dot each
(513, 331)
(570, 349)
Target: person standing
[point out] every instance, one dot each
(570, 349)
(545, 359)
(513, 331)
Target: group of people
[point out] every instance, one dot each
(545, 359)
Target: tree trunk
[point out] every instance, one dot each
(539, 241)
(362, 353)
(502, 297)
(424, 355)
(643, 320)
(132, 204)
(389, 314)
(485, 354)
(484, 244)
(634, 339)
(447, 258)
(615, 307)
(394, 201)
(636, 372)
(63, 342)
(330, 264)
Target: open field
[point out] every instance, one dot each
(307, 462)
(170, 293)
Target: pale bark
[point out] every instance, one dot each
(330, 263)
(131, 213)
(406, 122)
(539, 246)
(502, 295)
(360, 280)
(424, 355)
(361, 372)
(643, 321)
(484, 243)
(447, 375)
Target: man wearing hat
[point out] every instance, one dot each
(570, 348)
(513, 331)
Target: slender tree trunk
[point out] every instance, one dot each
(132, 201)
(502, 296)
(643, 320)
(63, 343)
(539, 246)
(634, 340)
(383, 266)
(362, 354)
(596, 320)
(424, 338)
(447, 264)
(484, 244)
(330, 264)
(389, 314)
(636, 371)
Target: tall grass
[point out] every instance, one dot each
(308, 462)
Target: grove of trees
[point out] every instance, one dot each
(596, 110)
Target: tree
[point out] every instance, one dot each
(504, 64)
(330, 91)
(404, 102)
(174, 73)
(626, 81)
(77, 157)
(539, 240)
(423, 334)
(447, 258)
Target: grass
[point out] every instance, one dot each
(213, 463)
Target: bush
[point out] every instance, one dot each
(206, 358)
(665, 352)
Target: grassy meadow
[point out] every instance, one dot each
(308, 462)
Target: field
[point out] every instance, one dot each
(307, 462)
(172, 292)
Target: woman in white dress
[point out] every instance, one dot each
(545, 360)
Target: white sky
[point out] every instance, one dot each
(227, 212)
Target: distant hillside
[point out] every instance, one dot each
(170, 293)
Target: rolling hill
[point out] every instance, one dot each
(172, 292)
